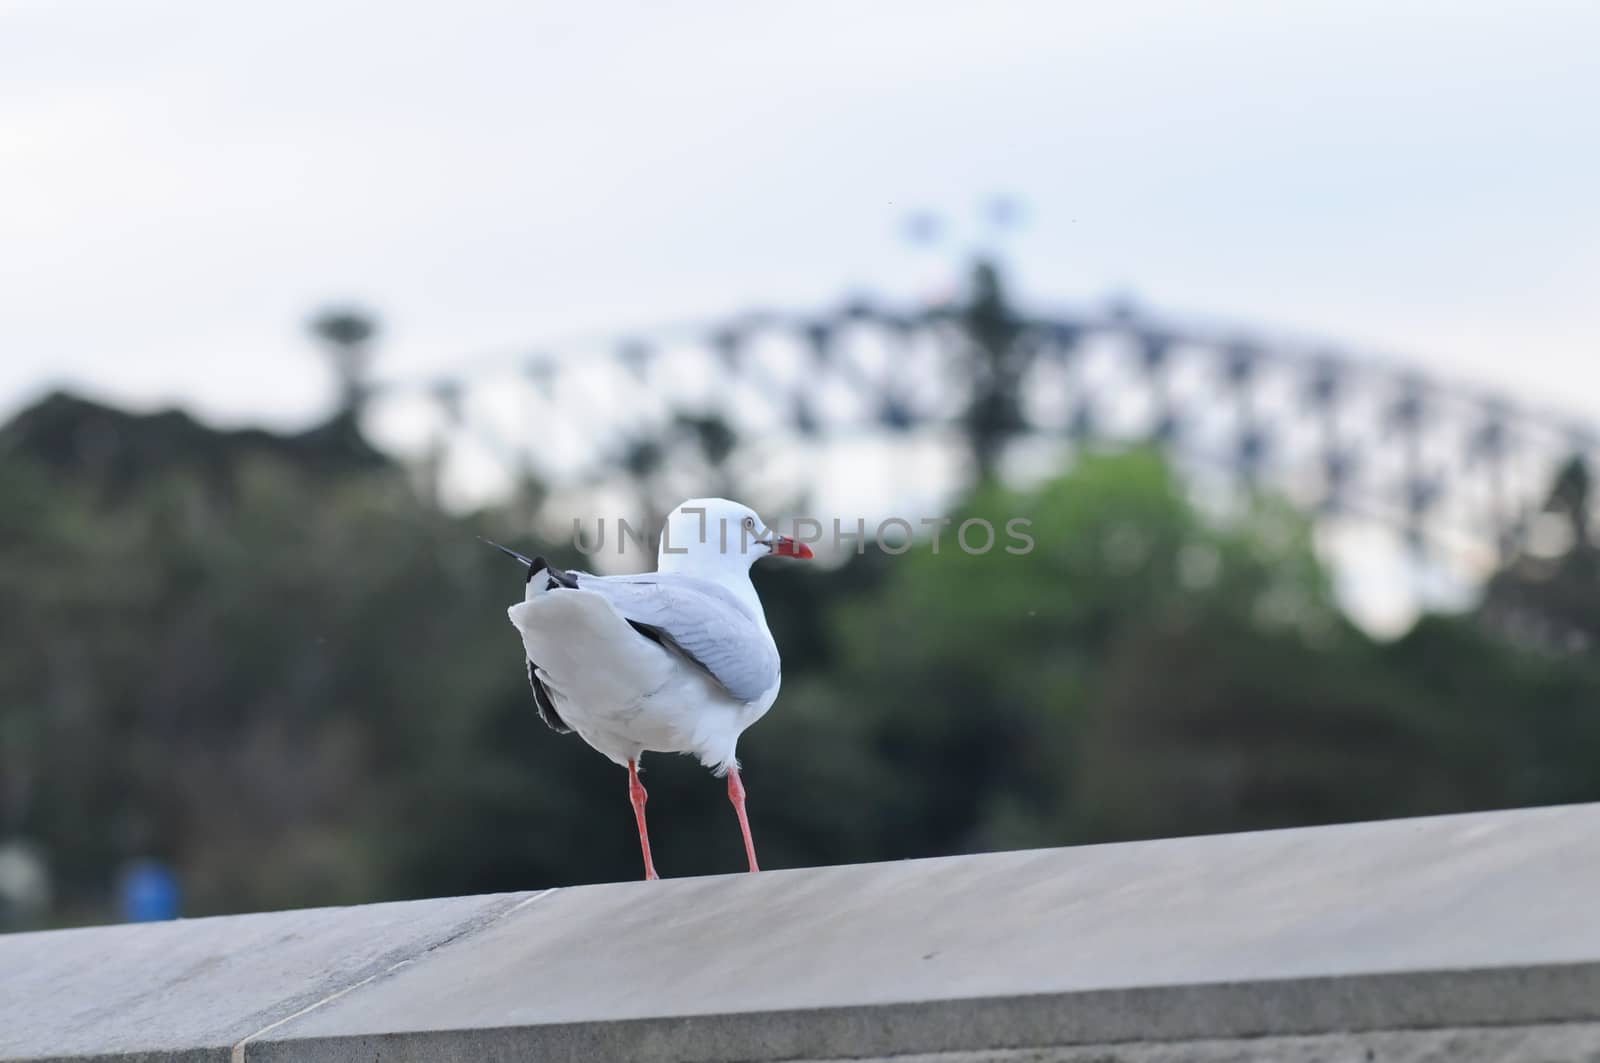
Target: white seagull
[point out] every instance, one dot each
(679, 660)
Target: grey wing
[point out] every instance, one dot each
(702, 622)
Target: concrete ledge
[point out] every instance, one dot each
(1463, 937)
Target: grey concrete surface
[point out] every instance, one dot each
(1569, 1043)
(194, 988)
(1464, 923)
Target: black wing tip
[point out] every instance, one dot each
(505, 550)
(536, 564)
(558, 577)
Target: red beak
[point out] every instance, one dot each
(783, 546)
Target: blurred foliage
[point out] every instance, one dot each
(289, 675)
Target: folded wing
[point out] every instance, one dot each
(699, 620)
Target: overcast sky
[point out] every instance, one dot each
(181, 182)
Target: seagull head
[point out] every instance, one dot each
(716, 535)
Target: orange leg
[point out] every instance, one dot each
(637, 794)
(736, 795)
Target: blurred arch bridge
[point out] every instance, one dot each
(1449, 473)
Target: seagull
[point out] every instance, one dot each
(679, 660)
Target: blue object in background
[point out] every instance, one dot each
(149, 892)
